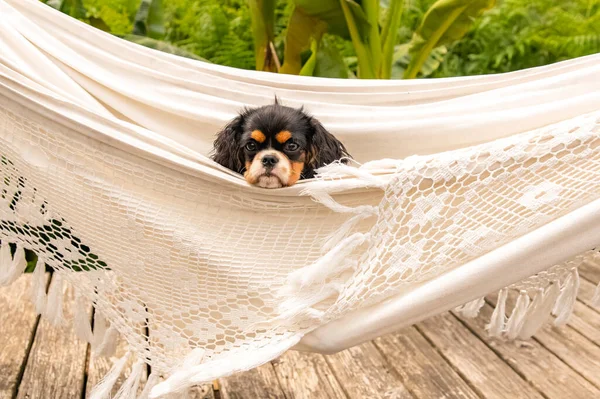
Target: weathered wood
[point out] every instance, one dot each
(17, 330)
(586, 322)
(571, 347)
(590, 272)
(260, 382)
(306, 375)
(364, 373)
(201, 392)
(586, 293)
(540, 367)
(487, 373)
(56, 364)
(424, 372)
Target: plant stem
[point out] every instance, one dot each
(365, 67)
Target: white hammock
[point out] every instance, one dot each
(103, 161)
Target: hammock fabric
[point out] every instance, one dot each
(103, 160)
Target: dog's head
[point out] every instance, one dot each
(274, 146)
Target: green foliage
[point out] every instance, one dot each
(522, 34)
(149, 19)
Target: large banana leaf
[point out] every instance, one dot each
(389, 36)
(262, 13)
(311, 18)
(445, 22)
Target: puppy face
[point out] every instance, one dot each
(275, 146)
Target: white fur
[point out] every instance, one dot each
(277, 178)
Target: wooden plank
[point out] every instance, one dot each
(487, 373)
(56, 364)
(364, 373)
(586, 293)
(540, 367)
(590, 272)
(586, 322)
(424, 372)
(201, 392)
(17, 330)
(572, 348)
(260, 382)
(306, 375)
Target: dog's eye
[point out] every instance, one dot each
(291, 146)
(251, 146)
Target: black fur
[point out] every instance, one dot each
(318, 146)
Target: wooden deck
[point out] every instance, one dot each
(444, 357)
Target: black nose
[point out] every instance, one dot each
(269, 161)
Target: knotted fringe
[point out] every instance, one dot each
(339, 170)
(104, 388)
(517, 318)
(471, 309)
(182, 378)
(104, 339)
(54, 307)
(539, 311)
(81, 319)
(151, 383)
(497, 322)
(11, 268)
(328, 265)
(129, 388)
(38, 287)
(565, 303)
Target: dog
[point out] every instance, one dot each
(274, 146)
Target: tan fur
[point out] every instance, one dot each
(283, 136)
(258, 136)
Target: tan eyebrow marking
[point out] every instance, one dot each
(258, 136)
(283, 136)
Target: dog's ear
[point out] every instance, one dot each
(227, 151)
(324, 148)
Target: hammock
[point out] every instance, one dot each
(462, 187)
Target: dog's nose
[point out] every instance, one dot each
(269, 161)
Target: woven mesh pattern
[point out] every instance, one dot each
(198, 264)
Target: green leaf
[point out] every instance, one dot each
(161, 46)
(329, 61)
(445, 22)
(73, 8)
(366, 62)
(149, 19)
(389, 36)
(302, 31)
(309, 66)
(262, 13)
(402, 59)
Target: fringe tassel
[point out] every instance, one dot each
(344, 229)
(11, 268)
(104, 388)
(38, 287)
(151, 383)
(54, 307)
(182, 378)
(563, 307)
(498, 319)
(539, 311)
(81, 319)
(104, 339)
(328, 264)
(517, 318)
(129, 388)
(108, 347)
(471, 309)
(596, 297)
